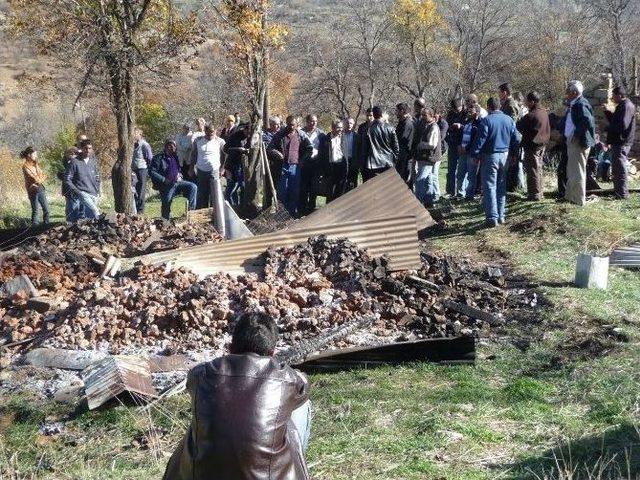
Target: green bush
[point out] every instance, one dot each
(53, 152)
(154, 120)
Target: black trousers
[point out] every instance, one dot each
(308, 178)
(562, 172)
(369, 173)
(620, 169)
(140, 189)
(338, 178)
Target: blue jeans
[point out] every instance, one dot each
(426, 183)
(235, 186)
(39, 197)
(188, 189)
(89, 205)
(73, 208)
(301, 418)
(289, 188)
(461, 176)
(436, 186)
(494, 185)
(472, 178)
(452, 170)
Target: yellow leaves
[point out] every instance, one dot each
(416, 17)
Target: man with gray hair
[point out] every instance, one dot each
(579, 131)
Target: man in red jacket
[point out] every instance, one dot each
(251, 414)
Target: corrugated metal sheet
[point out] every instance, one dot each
(383, 196)
(395, 237)
(626, 256)
(116, 375)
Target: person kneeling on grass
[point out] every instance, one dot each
(166, 177)
(251, 414)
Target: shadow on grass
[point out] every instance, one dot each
(615, 454)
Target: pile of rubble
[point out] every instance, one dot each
(308, 289)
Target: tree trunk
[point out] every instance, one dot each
(124, 99)
(253, 175)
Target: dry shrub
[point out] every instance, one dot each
(12, 191)
(101, 129)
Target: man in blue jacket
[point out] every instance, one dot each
(579, 131)
(166, 177)
(497, 133)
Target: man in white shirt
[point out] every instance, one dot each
(184, 143)
(206, 157)
(332, 148)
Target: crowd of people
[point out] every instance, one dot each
(489, 152)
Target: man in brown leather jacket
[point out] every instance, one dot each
(250, 413)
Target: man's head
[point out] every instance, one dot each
(619, 94)
(336, 127)
(170, 147)
(427, 115)
(533, 100)
(456, 105)
(518, 97)
(245, 128)
(493, 104)
(86, 149)
(186, 128)
(475, 112)
(229, 121)
(274, 124)
(311, 122)
(402, 110)
(418, 105)
(504, 91)
(471, 100)
(349, 124)
(254, 333)
(71, 152)
(369, 113)
(79, 139)
(138, 134)
(200, 123)
(377, 112)
(292, 123)
(209, 131)
(574, 90)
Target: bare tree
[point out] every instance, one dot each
(619, 17)
(109, 42)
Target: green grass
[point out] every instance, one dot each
(568, 402)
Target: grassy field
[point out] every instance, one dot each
(558, 398)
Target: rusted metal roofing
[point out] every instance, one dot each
(395, 237)
(384, 196)
(628, 257)
(116, 375)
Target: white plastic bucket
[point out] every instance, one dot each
(592, 272)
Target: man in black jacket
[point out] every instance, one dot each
(251, 414)
(404, 131)
(166, 177)
(82, 178)
(362, 142)
(620, 136)
(456, 118)
(293, 148)
(383, 147)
